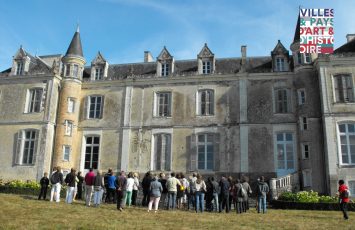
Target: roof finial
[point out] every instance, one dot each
(77, 27)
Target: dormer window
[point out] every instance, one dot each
(99, 73)
(205, 61)
(206, 67)
(165, 63)
(19, 68)
(99, 68)
(280, 64)
(164, 69)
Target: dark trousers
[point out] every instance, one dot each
(224, 203)
(80, 192)
(121, 201)
(239, 206)
(43, 192)
(111, 195)
(134, 197)
(145, 200)
(344, 209)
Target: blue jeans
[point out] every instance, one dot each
(172, 200)
(215, 202)
(200, 201)
(262, 204)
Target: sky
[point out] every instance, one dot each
(123, 29)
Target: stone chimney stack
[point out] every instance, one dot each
(244, 59)
(148, 57)
(350, 37)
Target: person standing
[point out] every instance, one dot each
(44, 182)
(171, 185)
(129, 189)
(164, 193)
(80, 186)
(99, 187)
(106, 176)
(248, 190)
(191, 197)
(200, 187)
(343, 198)
(145, 186)
(215, 193)
(70, 182)
(262, 191)
(135, 189)
(121, 185)
(111, 193)
(89, 182)
(224, 194)
(56, 181)
(155, 193)
(238, 193)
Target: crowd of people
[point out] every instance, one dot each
(174, 191)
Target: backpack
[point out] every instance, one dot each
(242, 191)
(54, 178)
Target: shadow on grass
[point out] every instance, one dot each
(27, 197)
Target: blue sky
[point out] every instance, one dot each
(123, 29)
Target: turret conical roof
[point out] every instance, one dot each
(75, 48)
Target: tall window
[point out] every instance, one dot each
(99, 73)
(343, 87)
(162, 156)
(68, 128)
(163, 104)
(304, 123)
(66, 152)
(75, 70)
(305, 151)
(205, 102)
(34, 101)
(19, 68)
(92, 152)
(205, 154)
(165, 69)
(67, 72)
(280, 64)
(95, 106)
(71, 105)
(307, 178)
(347, 143)
(282, 101)
(301, 96)
(206, 67)
(26, 147)
(285, 151)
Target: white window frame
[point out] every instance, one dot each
(205, 144)
(19, 67)
(307, 178)
(76, 71)
(305, 151)
(277, 101)
(71, 105)
(347, 134)
(209, 105)
(165, 152)
(346, 91)
(34, 101)
(284, 144)
(67, 70)
(21, 147)
(165, 69)
(206, 66)
(301, 96)
(68, 127)
(66, 155)
(95, 108)
(159, 110)
(92, 145)
(280, 64)
(99, 73)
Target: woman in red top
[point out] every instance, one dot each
(344, 198)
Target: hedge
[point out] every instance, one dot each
(279, 204)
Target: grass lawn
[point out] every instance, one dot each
(25, 212)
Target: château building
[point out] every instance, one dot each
(287, 116)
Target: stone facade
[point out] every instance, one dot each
(272, 116)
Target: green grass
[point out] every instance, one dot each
(25, 212)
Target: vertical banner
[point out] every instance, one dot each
(316, 31)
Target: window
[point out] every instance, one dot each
(352, 188)
(304, 124)
(75, 70)
(280, 64)
(164, 69)
(301, 96)
(19, 68)
(163, 104)
(307, 178)
(162, 156)
(71, 105)
(347, 143)
(68, 128)
(206, 67)
(282, 101)
(26, 147)
(34, 101)
(343, 87)
(66, 152)
(285, 151)
(98, 74)
(205, 102)
(92, 152)
(305, 151)
(205, 152)
(67, 73)
(307, 58)
(299, 58)
(95, 107)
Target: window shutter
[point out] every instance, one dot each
(216, 154)
(35, 148)
(289, 103)
(18, 140)
(193, 153)
(102, 106)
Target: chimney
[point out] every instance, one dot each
(148, 57)
(350, 37)
(244, 58)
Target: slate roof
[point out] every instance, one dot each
(346, 48)
(296, 38)
(75, 48)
